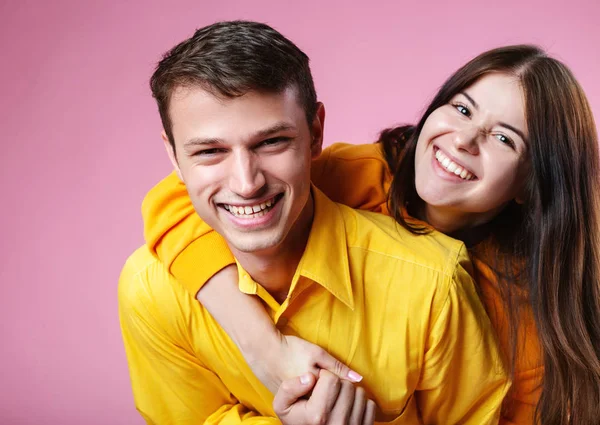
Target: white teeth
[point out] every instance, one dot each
(250, 211)
(452, 167)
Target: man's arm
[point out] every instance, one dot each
(463, 379)
(170, 383)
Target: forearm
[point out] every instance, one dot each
(241, 316)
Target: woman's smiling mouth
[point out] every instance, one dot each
(452, 167)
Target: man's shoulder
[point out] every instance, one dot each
(379, 234)
(140, 264)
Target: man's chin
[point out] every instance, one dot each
(252, 245)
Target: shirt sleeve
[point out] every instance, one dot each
(463, 379)
(354, 175)
(521, 401)
(170, 383)
(178, 237)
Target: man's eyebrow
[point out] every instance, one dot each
(503, 124)
(282, 126)
(200, 141)
(261, 134)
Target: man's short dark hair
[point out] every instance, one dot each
(230, 59)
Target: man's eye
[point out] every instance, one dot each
(208, 152)
(274, 141)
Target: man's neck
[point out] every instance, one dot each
(275, 267)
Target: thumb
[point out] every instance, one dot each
(328, 362)
(291, 390)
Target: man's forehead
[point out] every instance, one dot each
(197, 113)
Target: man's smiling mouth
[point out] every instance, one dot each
(254, 210)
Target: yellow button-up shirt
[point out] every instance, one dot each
(400, 309)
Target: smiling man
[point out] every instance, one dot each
(246, 164)
(241, 124)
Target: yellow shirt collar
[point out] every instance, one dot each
(325, 259)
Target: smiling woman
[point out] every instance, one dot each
(471, 135)
(526, 129)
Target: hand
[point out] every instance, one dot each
(273, 357)
(333, 402)
(289, 356)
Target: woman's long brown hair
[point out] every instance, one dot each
(555, 233)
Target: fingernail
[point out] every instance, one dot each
(305, 379)
(354, 377)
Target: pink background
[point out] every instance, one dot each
(82, 146)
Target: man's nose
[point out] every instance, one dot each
(247, 178)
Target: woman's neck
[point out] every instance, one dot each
(471, 228)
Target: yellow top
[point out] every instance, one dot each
(400, 309)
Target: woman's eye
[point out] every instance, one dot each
(505, 140)
(463, 110)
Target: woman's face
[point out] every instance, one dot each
(471, 154)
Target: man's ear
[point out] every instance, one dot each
(317, 128)
(171, 152)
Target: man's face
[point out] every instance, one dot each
(246, 163)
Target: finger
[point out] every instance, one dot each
(369, 416)
(358, 409)
(325, 393)
(328, 362)
(343, 405)
(291, 390)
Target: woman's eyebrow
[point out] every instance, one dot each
(516, 130)
(470, 99)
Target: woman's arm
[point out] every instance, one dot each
(272, 356)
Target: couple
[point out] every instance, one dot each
(501, 168)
